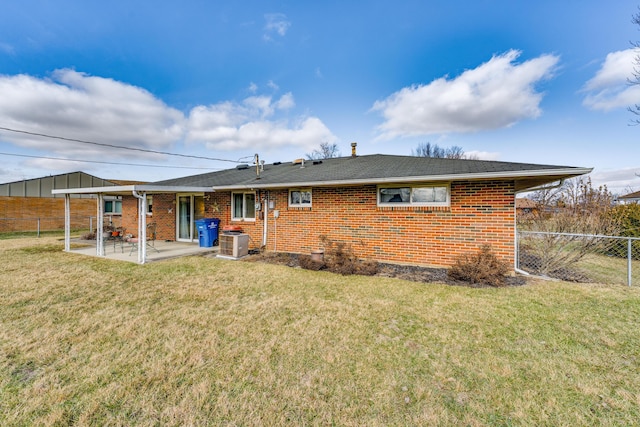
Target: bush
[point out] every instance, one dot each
(340, 258)
(483, 268)
(306, 262)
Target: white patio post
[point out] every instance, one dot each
(67, 222)
(100, 225)
(142, 226)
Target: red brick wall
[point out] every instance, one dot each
(480, 212)
(163, 215)
(130, 215)
(22, 213)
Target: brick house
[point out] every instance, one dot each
(400, 209)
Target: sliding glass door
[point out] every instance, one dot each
(190, 208)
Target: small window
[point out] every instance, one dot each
(149, 205)
(424, 195)
(113, 207)
(300, 198)
(395, 195)
(243, 206)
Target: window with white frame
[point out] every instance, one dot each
(149, 205)
(419, 195)
(243, 206)
(113, 207)
(300, 198)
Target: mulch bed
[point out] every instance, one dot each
(404, 272)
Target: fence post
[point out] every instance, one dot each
(629, 261)
(38, 235)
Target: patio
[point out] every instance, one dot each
(122, 252)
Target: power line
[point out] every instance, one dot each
(115, 146)
(106, 163)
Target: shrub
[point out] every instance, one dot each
(340, 258)
(306, 262)
(483, 268)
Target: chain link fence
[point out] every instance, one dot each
(580, 257)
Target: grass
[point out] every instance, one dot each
(201, 341)
(609, 269)
(43, 233)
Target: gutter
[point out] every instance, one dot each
(544, 187)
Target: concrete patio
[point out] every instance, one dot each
(122, 251)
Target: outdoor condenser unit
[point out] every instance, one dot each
(234, 245)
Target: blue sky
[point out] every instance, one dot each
(540, 82)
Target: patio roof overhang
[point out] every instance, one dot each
(125, 190)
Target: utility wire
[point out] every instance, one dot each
(115, 146)
(106, 163)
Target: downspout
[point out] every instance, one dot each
(515, 226)
(266, 219)
(142, 226)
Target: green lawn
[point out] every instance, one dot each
(201, 341)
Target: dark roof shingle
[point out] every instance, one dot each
(370, 168)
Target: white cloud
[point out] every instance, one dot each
(276, 23)
(286, 102)
(253, 88)
(609, 88)
(272, 85)
(229, 126)
(75, 105)
(618, 181)
(494, 95)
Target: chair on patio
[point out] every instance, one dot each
(118, 238)
(151, 238)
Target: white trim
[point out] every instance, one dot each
(300, 205)
(128, 189)
(244, 208)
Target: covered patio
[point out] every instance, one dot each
(123, 251)
(144, 249)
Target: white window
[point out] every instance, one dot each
(149, 205)
(300, 198)
(423, 195)
(113, 207)
(243, 206)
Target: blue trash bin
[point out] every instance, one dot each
(207, 232)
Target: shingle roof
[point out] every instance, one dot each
(377, 168)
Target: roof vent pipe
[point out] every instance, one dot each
(353, 149)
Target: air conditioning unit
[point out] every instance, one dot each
(234, 245)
